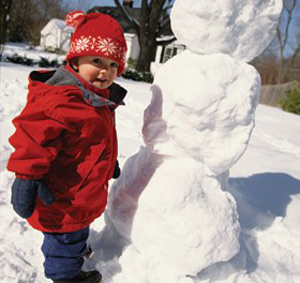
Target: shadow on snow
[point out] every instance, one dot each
(260, 199)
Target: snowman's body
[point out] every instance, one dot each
(171, 201)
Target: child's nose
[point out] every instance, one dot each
(104, 69)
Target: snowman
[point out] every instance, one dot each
(171, 202)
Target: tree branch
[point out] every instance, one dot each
(163, 26)
(283, 41)
(128, 18)
(155, 13)
(291, 62)
(287, 27)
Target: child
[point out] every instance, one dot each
(66, 146)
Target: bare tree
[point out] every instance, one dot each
(28, 17)
(285, 41)
(19, 23)
(4, 19)
(153, 21)
(280, 62)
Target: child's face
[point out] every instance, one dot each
(97, 70)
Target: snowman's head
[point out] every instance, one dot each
(239, 28)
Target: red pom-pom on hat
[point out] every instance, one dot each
(76, 18)
(97, 34)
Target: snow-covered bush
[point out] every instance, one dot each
(134, 75)
(20, 60)
(45, 63)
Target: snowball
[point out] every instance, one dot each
(208, 108)
(239, 28)
(125, 192)
(178, 220)
(184, 220)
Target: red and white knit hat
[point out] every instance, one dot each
(97, 34)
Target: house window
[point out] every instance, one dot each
(169, 52)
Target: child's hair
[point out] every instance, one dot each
(96, 34)
(72, 62)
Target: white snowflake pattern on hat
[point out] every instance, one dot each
(82, 44)
(106, 45)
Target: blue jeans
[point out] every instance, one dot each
(64, 253)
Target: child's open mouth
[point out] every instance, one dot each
(101, 80)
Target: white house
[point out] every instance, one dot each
(132, 46)
(164, 53)
(56, 35)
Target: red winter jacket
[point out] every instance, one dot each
(66, 136)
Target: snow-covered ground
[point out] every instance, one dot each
(34, 53)
(265, 183)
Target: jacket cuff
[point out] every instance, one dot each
(29, 177)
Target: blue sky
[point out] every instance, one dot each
(92, 3)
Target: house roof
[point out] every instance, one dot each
(56, 24)
(116, 14)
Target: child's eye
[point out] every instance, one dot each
(114, 65)
(97, 61)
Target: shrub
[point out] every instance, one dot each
(17, 59)
(132, 74)
(291, 101)
(147, 77)
(131, 63)
(54, 50)
(45, 63)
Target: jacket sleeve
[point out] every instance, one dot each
(37, 140)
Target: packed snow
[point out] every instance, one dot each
(239, 28)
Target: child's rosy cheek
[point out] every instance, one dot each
(91, 73)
